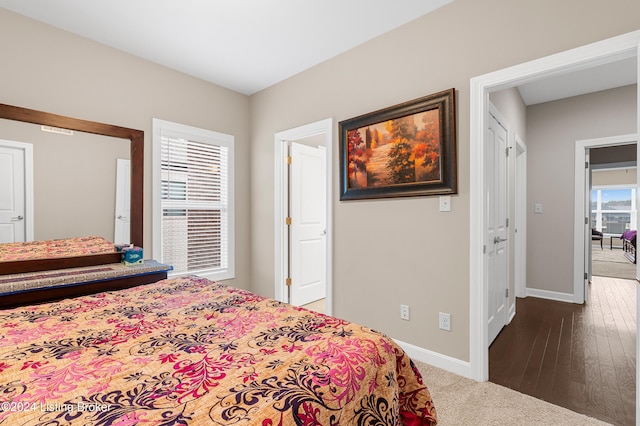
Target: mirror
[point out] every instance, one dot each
(72, 196)
(93, 138)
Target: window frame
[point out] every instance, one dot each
(163, 127)
(633, 212)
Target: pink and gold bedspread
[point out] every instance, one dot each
(190, 351)
(46, 249)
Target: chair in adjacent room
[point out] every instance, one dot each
(597, 236)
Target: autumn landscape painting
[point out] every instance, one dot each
(398, 151)
(404, 150)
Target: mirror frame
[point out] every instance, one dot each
(136, 137)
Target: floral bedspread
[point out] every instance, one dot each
(188, 351)
(67, 247)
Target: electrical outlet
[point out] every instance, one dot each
(445, 321)
(404, 312)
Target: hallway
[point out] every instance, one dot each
(581, 357)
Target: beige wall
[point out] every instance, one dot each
(389, 252)
(626, 176)
(552, 130)
(51, 70)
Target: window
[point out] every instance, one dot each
(193, 193)
(613, 209)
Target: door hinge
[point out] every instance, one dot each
(586, 220)
(288, 221)
(586, 164)
(484, 249)
(288, 159)
(288, 282)
(506, 151)
(507, 223)
(506, 292)
(585, 276)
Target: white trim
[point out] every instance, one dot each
(613, 166)
(28, 185)
(624, 46)
(579, 191)
(637, 49)
(550, 295)
(454, 365)
(520, 219)
(204, 135)
(493, 110)
(616, 186)
(323, 127)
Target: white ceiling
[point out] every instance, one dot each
(249, 45)
(244, 45)
(608, 76)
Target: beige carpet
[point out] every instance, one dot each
(611, 263)
(462, 401)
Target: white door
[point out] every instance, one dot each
(123, 202)
(12, 195)
(496, 226)
(308, 224)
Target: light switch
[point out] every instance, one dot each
(537, 208)
(445, 203)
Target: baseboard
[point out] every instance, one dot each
(551, 295)
(453, 365)
(463, 368)
(512, 312)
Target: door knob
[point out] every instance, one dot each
(497, 240)
(18, 218)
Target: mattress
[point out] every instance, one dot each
(191, 351)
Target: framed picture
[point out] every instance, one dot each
(402, 151)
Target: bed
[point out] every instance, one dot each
(62, 279)
(45, 255)
(629, 245)
(65, 247)
(190, 351)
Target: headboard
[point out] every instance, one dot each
(136, 138)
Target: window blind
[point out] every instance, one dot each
(194, 203)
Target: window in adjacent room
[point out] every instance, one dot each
(613, 209)
(193, 200)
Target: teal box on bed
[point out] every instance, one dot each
(132, 256)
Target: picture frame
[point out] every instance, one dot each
(405, 150)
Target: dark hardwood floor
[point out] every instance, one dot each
(581, 357)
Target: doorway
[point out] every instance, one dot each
(123, 202)
(582, 218)
(16, 192)
(307, 222)
(290, 272)
(607, 51)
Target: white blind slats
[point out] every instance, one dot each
(194, 204)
